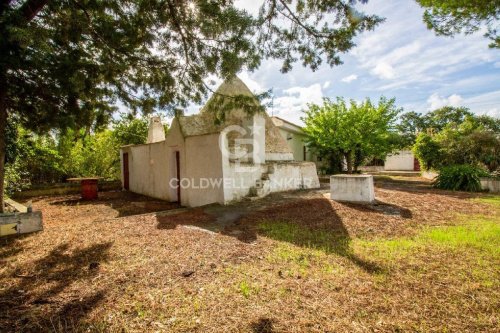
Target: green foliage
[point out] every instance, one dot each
(38, 156)
(470, 145)
(16, 178)
(447, 116)
(60, 155)
(66, 64)
(95, 155)
(456, 136)
(460, 178)
(355, 130)
(409, 125)
(449, 17)
(130, 130)
(427, 151)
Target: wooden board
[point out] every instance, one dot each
(17, 206)
(8, 229)
(20, 223)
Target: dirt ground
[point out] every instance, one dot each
(292, 262)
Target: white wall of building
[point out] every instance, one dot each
(401, 161)
(296, 143)
(203, 167)
(153, 170)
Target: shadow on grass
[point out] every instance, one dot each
(311, 223)
(308, 223)
(40, 301)
(382, 208)
(124, 202)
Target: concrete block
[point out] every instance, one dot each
(352, 188)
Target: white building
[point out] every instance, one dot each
(402, 160)
(203, 161)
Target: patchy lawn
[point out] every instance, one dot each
(419, 260)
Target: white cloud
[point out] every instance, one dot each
(436, 101)
(494, 112)
(496, 64)
(487, 103)
(384, 71)
(426, 60)
(326, 84)
(350, 78)
(253, 85)
(295, 100)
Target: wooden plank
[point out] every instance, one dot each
(17, 206)
(8, 229)
(23, 223)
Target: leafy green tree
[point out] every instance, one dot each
(409, 125)
(438, 119)
(470, 143)
(475, 141)
(96, 155)
(130, 130)
(427, 151)
(66, 63)
(449, 17)
(355, 130)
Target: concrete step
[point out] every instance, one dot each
(395, 173)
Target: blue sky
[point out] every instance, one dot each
(400, 59)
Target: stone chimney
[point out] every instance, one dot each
(156, 133)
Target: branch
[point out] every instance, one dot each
(178, 27)
(31, 8)
(292, 17)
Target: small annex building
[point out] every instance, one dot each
(203, 161)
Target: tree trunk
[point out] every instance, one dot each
(348, 159)
(3, 127)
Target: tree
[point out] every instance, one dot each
(66, 63)
(409, 125)
(355, 130)
(449, 17)
(473, 141)
(427, 151)
(438, 119)
(130, 130)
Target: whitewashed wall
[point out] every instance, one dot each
(402, 161)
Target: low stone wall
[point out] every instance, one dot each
(63, 189)
(490, 184)
(371, 168)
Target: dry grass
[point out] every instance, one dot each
(421, 260)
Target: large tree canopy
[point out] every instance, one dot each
(66, 63)
(350, 129)
(449, 17)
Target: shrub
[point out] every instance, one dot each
(460, 178)
(427, 151)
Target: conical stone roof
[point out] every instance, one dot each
(205, 122)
